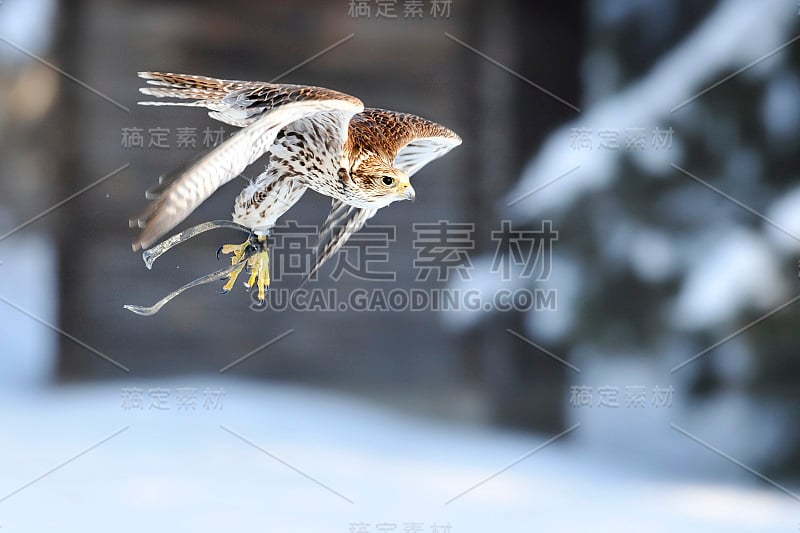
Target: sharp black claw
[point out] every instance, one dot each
(219, 251)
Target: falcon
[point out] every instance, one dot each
(317, 139)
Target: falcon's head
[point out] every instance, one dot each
(377, 184)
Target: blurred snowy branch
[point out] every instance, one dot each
(730, 37)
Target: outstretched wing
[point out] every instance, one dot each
(277, 105)
(342, 222)
(234, 102)
(409, 141)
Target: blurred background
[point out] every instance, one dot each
(651, 383)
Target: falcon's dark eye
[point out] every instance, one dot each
(388, 180)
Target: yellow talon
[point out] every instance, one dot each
(253, 276)
(257, 264)
(236, 249)
(263, 274)
(232, 278)
(259, 271)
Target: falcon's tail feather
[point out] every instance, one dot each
(202, 89)
(220, 97)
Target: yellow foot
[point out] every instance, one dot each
(259, 272)
(232, 277)
(237, 250)
(253, 254)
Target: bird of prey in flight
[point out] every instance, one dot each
(317, 139)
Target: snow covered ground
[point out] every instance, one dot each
(326, 463)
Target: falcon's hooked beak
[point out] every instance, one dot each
(408, 191)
